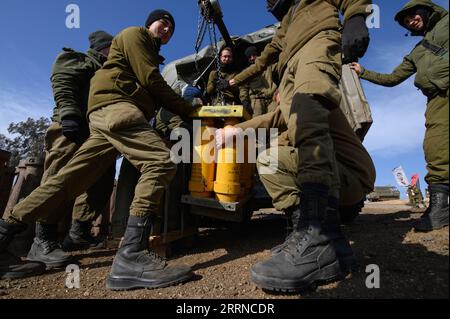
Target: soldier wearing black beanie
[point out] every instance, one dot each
(158, 15)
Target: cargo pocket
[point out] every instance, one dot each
(121, 116)
(125, 86)
(330, 69)
(135, 92)
(323, 80)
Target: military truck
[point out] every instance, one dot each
(180, 210)
(384, 193)
(193, 70)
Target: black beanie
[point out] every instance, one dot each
(100, 40)
(251, 51)
(158, 15)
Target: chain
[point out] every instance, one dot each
(206, 23)
(201, 31)
(213, 38)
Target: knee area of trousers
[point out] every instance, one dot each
(166, 165)
(265, 159)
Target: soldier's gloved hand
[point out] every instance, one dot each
(197, 102)
(223, 84)
(355, 39)
(72, 130)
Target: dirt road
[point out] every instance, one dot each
(412, 265)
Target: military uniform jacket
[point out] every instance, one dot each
(429, 59)
(71, 76)
(231, 95)
(303, 22)
(132, 75)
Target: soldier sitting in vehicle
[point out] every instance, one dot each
(261, 89)
(218, 87)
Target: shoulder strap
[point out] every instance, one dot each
(435, 49)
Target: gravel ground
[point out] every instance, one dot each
(412, 265)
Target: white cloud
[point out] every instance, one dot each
(387, 56)
(25, 89)
(399, 123)
(17, 106)
(398, 112)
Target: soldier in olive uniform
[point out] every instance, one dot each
(122, 100)
(71, 76)
(356, 172)
(218, 82)
(308, 49)
(261, 89)
(429, 61)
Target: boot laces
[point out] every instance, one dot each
(296, 242)
(49, 245)
(155, 257)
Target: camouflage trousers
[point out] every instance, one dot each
(282, 183)
(309, 90)
(89, 205)
(436, 140)
(117, 128)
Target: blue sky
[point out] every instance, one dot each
(33, 33)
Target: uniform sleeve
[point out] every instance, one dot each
(244, 93)
(269, 120)
(350, 8)
(268, 57)
(140, 51)
(400, 74)
(69, 74)
(269, 78)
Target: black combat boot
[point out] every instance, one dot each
(295, 222)
(80, 238)
(46, 248)
(12, 266)
(135, 266)
(309, 256)
(436, 216)
(344, 252)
